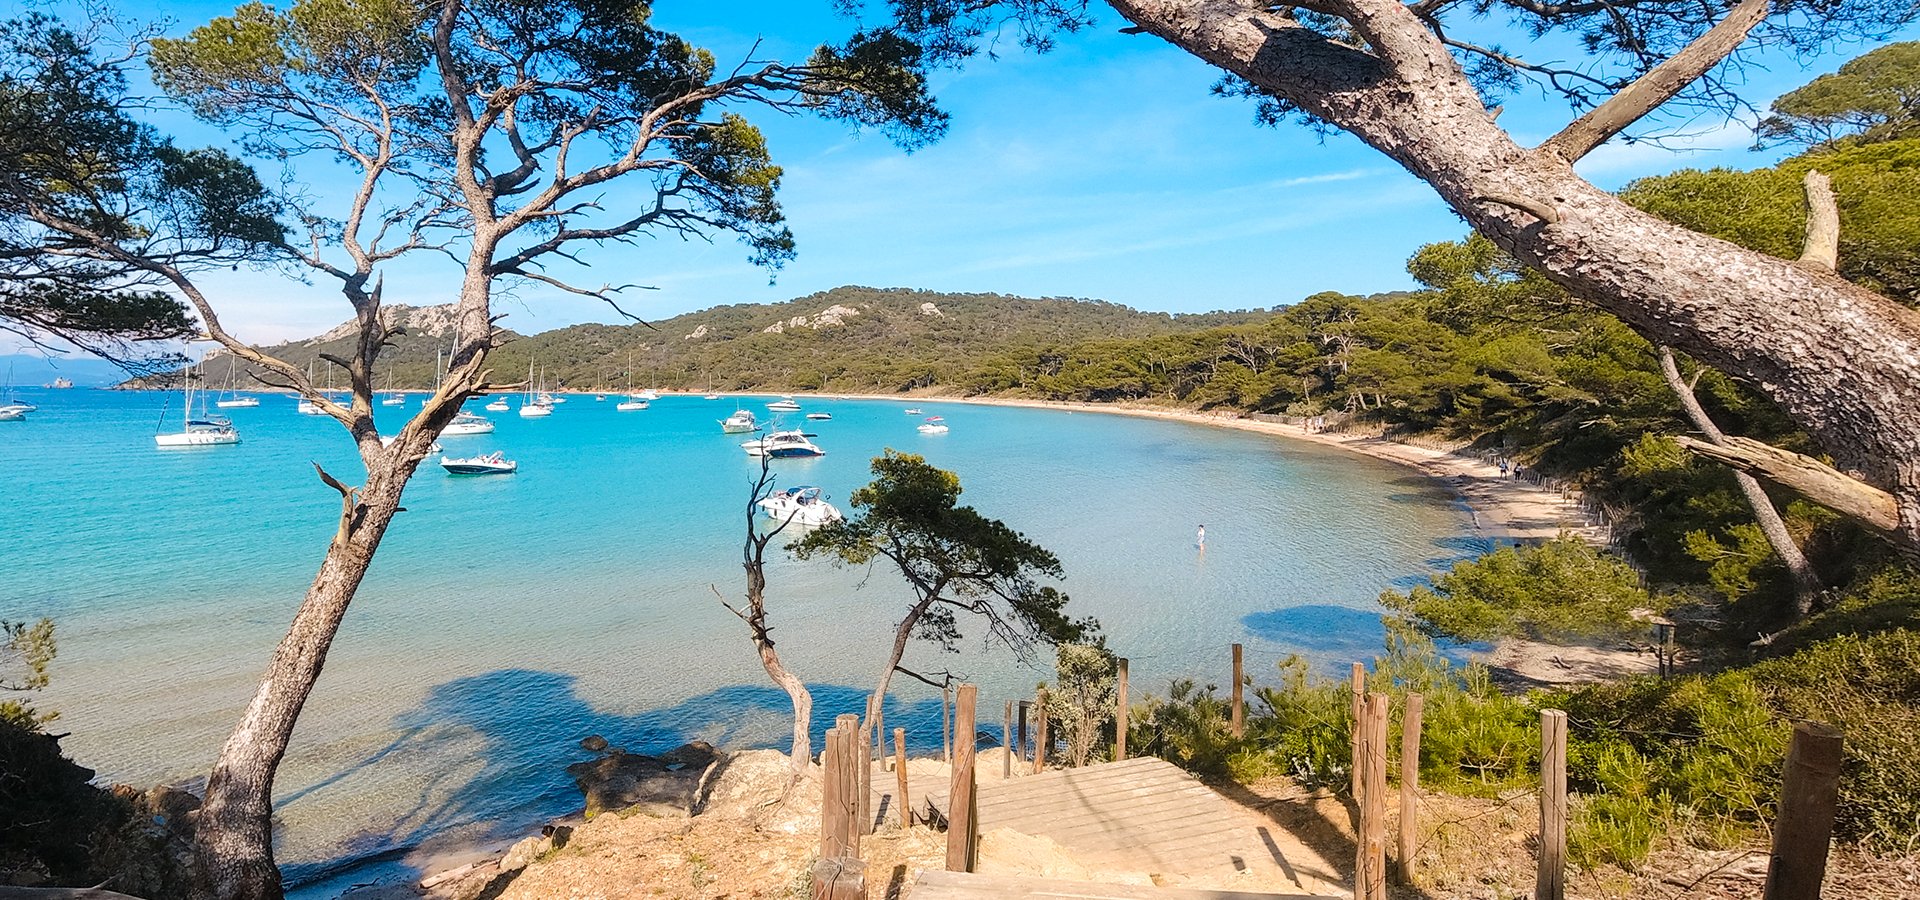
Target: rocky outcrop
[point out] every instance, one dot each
(832, 315)
(665, 785)
(758, 787)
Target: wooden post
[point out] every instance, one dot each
(900, 769)
(1040, 733)
(1809, 791)
(946, 725)
(1006, 744)
(1550, 882)
(1370, 863)
(961, 824)
(838, 836)
(1239, 704)
(1120, 717)
(1359, 687)
(1021, 709)
(851, 782)
(1409, 787)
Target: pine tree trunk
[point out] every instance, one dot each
(234, 837)
(1842, 361)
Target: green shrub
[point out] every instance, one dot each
(1562, 588)
(1302, 728)
(1701, 753)
(1869, 688)
(1192, 728)
(1081, 706)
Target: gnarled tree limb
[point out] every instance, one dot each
(1660, 84)
(1806, 582)
(1818, 481)
(1822, 247)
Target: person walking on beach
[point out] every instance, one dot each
(1203, 536)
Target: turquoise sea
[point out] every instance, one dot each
(507, 617)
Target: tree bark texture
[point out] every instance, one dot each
(235, 831)
(1806, 582)
(1842, 361)
(234, 838)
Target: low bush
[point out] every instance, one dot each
(1869, 688)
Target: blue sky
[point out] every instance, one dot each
(1103, 170)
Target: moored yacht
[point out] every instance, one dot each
(933, 425)
(467, 423)
(783, 445)
(741, 422)
(784, 404)
(495, 463)
(801, 505)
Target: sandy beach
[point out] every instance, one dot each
(1502, 506)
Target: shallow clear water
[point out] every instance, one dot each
(507, 617)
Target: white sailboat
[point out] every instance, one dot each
(393, 397)
(231, 400)
(14, 410)
(204, 431)
(537, 404)
(634, 401)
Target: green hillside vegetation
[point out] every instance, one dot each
(891, 341)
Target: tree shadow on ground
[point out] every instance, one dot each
(513, 732)
(1312, 825)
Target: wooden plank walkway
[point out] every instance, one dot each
(1140, 815)
(934, 885)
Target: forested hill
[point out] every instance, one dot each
(852, 339)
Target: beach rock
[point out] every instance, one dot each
(756, 787)
(527, 850)
(664, 785)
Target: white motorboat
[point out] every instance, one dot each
(599, 398)
(820, 417)
(933, 425)
(310, 408)
(802, 505)
(741, 422)
(914, 411)
(201, 431)
(467, 423)
(394, 400)
(495, 463)
(783, 445)
(649, 394)
(498, 405)
(784, 404)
